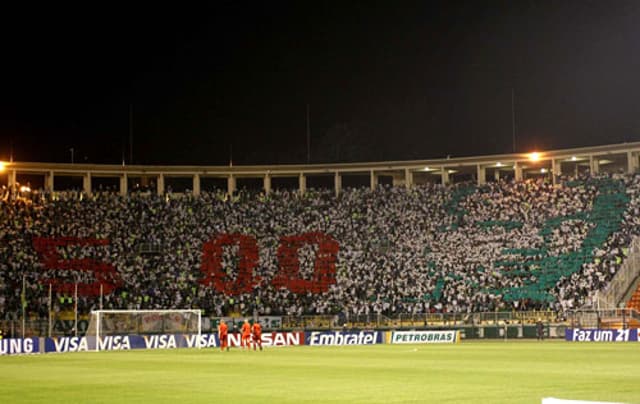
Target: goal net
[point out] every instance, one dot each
(104, 323)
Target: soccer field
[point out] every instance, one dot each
(470, 372)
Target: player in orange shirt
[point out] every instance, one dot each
(256, 331)
(246, 334)
(223, 335)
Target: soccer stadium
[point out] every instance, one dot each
(361, 201)
(509, 278)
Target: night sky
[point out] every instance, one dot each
(384, 80)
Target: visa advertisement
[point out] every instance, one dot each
(127, 342)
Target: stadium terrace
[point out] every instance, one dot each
(459, 236)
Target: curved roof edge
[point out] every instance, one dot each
(319, 168)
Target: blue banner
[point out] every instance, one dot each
(344, 338)
(16, 346)
(127, 342)
(601, 335)
(162, 341)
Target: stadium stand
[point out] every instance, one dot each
(634, 302)
(430, 249)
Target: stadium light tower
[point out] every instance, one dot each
(513, 119)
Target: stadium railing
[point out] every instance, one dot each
(607, 318)
(310, 322)
(623, 282)
(591, 318)
(33, 328)
(420, 320)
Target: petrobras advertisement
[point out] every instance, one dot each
(16, 346)
(424, 337)
(601, 335)
(344, 338)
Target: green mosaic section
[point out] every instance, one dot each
(608, 207)
(452, 207)
(540, 271)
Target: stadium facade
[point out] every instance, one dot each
(546, 261)
(623, 157)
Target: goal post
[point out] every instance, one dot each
(105, 323)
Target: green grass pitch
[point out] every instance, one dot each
(469, 372)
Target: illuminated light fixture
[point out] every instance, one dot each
(25, 188)
(426, 169)
(534, 156)
(451, 171)
(2, 166)
(543, 170)
(499, 164)
(574, 158)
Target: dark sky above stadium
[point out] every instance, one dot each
(383, 80)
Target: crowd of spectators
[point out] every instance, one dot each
(461, 248)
